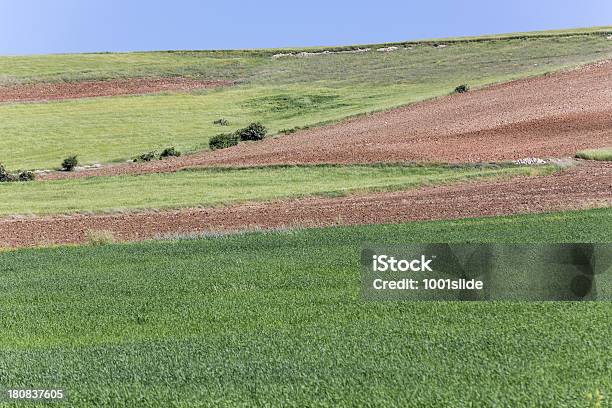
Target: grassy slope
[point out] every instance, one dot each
(215, 187)
(232, 64)
(283, 93)
(273, 318)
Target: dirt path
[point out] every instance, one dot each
(88, 89)
(587, 185)
(550, 116)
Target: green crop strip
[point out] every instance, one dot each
(214, 187)
(596, 154)
(277, 319)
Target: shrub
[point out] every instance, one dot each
(223, 140)
(70, 163)
(462, 88)
(169, 152)
(255, 131)
(221, 122)
(146, 157)
(3, 173)
(99, 237)
(26, 175)
(5, 176)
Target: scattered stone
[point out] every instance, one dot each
(88, 167)
(311, 54)
(387, 49)
(530, 161)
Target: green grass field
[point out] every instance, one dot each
(213, 187)
(596, 154)
(283, 93)
(274, 319)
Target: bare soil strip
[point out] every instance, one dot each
(89, 89)
(586, 185)
(549, 116)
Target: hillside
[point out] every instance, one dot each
(233, 277)
(283, 93)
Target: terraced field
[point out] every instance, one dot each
(245, 291)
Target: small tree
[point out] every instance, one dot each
(70, 163)
(462, 88)
(223, 141)
(169, 152)
(255, 131)
(26, 175)
(146, 157)
(5, 176)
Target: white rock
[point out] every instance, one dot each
(387, 49)
(326, 52)
(530, 161)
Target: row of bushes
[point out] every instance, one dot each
(71, 162)
(253, 132)
(152, 155)
(22, 175)
(68, 164)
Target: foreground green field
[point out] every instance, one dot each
(212, 187)
(283, 93)
(274, 319)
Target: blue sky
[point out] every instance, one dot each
(52, 26)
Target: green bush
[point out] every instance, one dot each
(169, 152)
(70, 163)
(462, 88)
(146, 157)
(255, 131)
(26, 175)
(221, 122)
(223, 140)
(5, 176)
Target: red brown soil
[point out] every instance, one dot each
(90, 89)
(586, 185)
(550, 116)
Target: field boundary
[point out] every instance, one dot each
(593, 31)
(584, 186)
